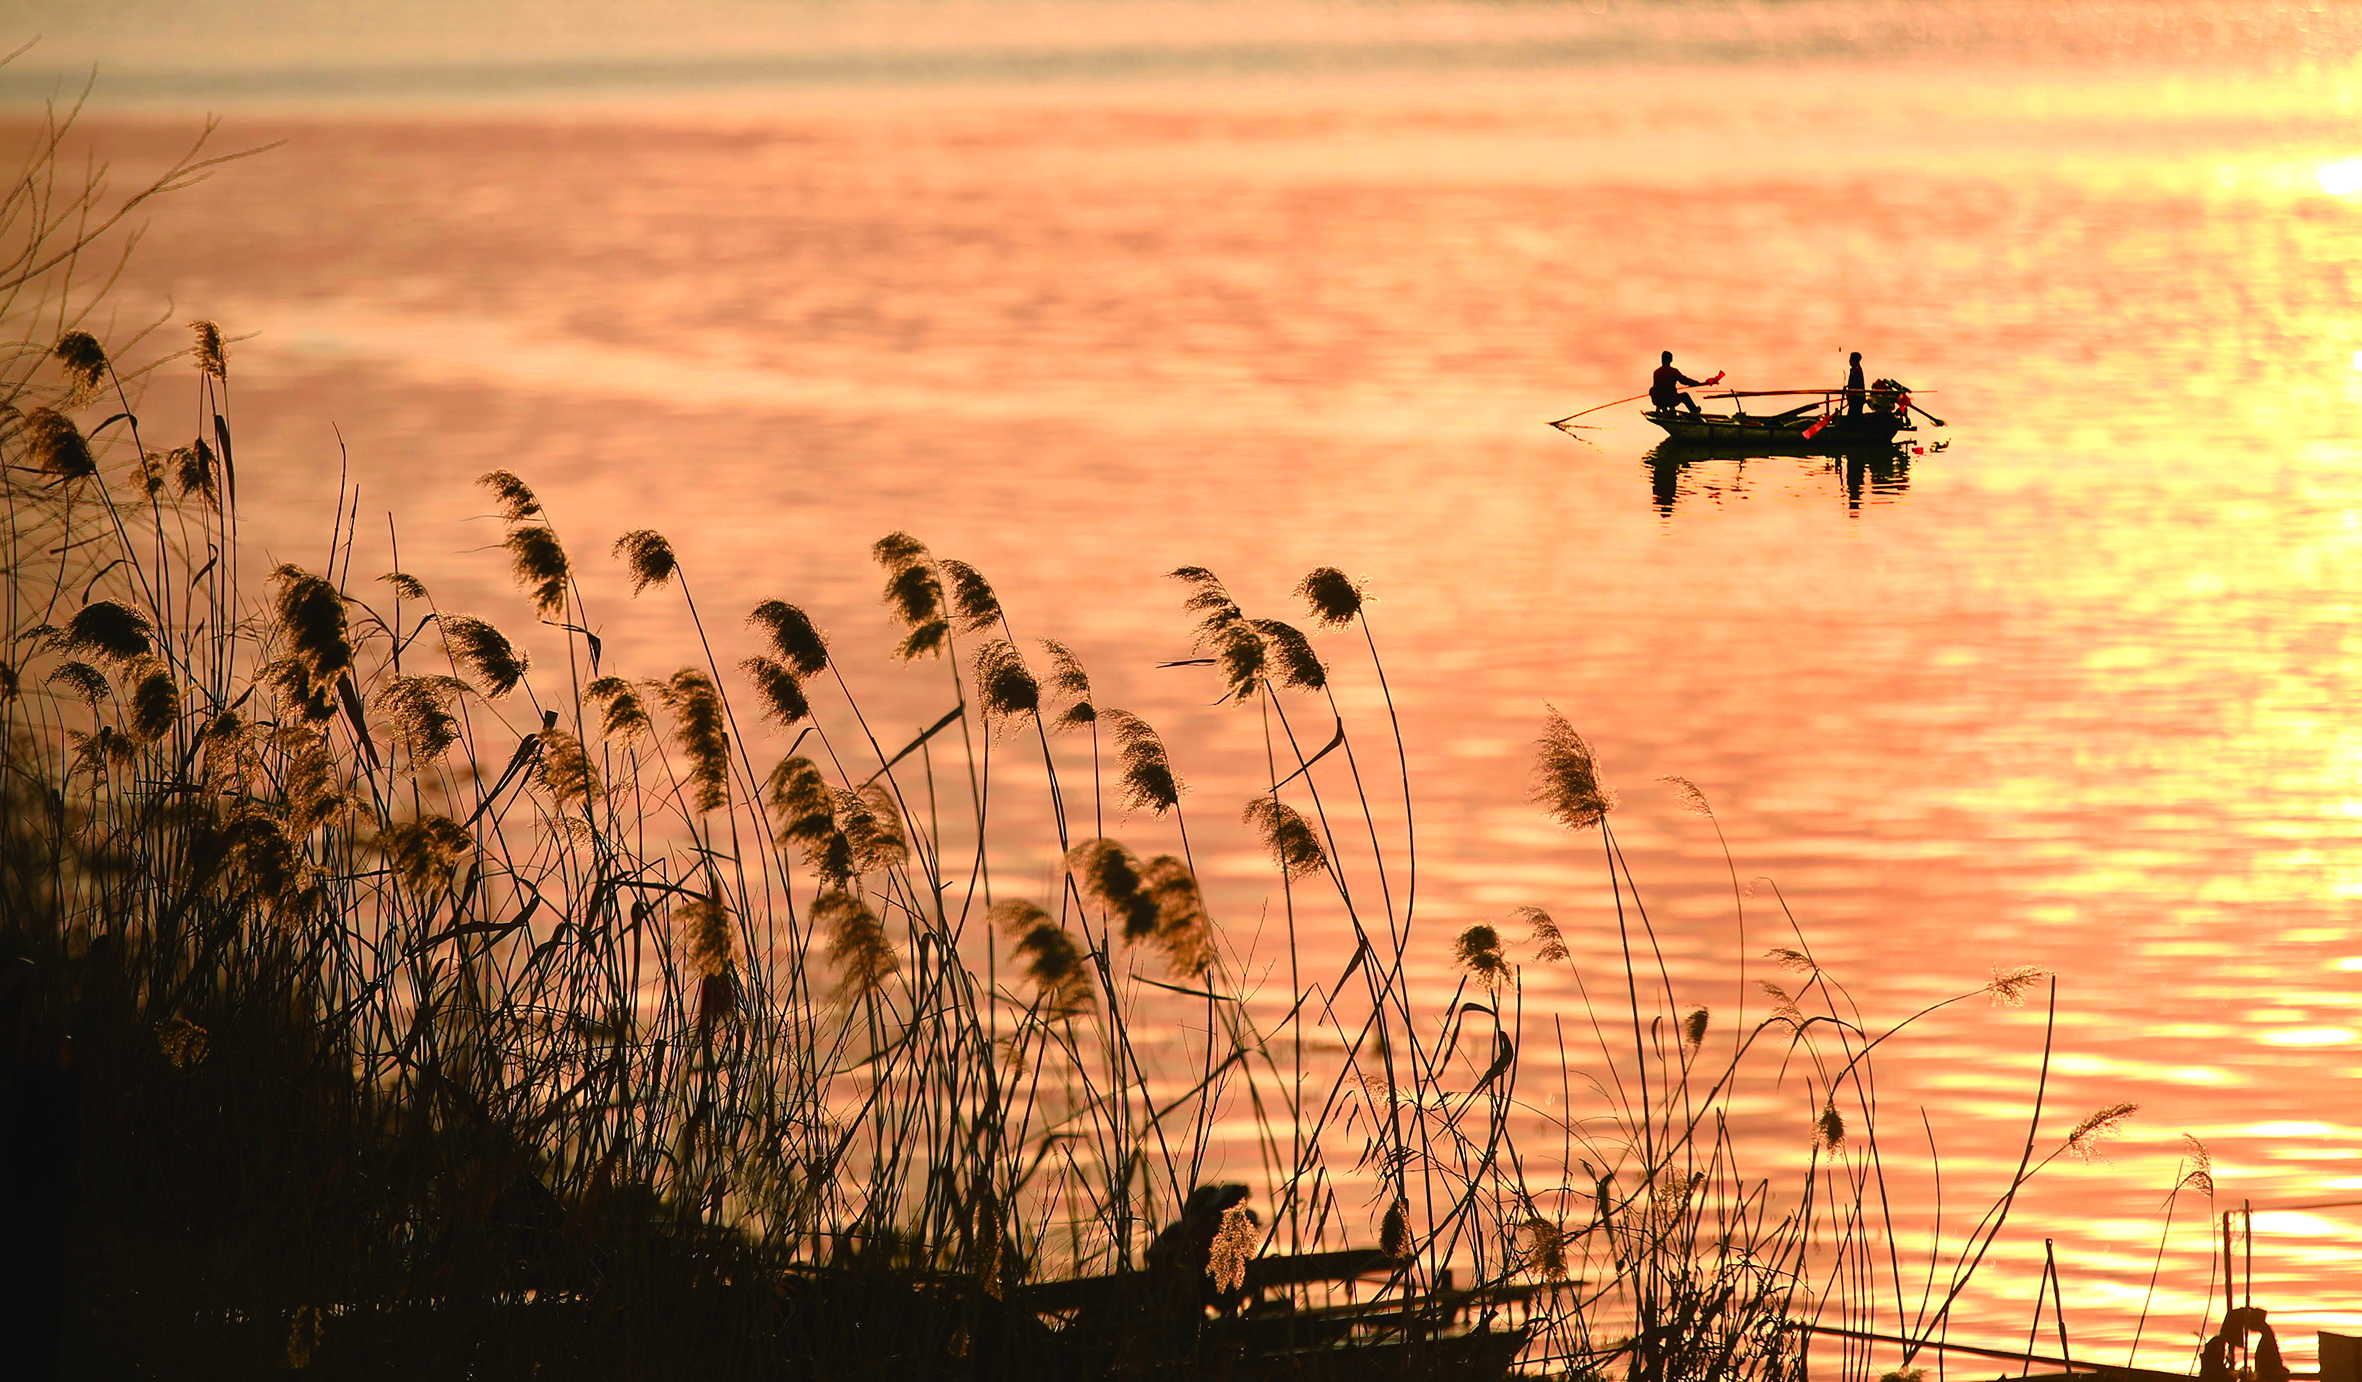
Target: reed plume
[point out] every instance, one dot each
(211, 356)
(972, 599)
(312, 619)
(539, 563)
(406, 586)
(1783, 1004)
(194, 472)
(794, 636)
(1394, 1234)
(155, 700)
(310, 789)
(1111, 873)
(1331, 595)
(1566, 774)
(914, 593)
(154, 471)
(108, 629)
(515, 497)
(1072, 684)
(1240, 654)
(566, 771)
(83, 362)
(1693, 1027)
(1691, 798)
(1146, 774)
(54, 446)
(647, 556)
(1549, 944)
(183, 1042)
(1791, 959)
(81, 680)
(623, 716)
(484, 651)
(872, 826)
(1299, 666)
(857, 943)
(1545, 1248)
(777, 688)
(2102, 1125)
(1234, 1245)
(1478, 950)
(698, 727)
(1829, 1128)
(1004, 684)
(1182, 929)
(804, 808)
(1052, 960)
(1288, 836)
(423, 853)
(1208, 599)
(2008, 987)
(2200, 1175)
(706, 935)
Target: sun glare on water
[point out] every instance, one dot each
(2342, 178)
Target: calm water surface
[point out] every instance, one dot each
(2079, 693)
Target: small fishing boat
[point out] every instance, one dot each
(1820, 426)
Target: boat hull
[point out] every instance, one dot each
(1740, 435)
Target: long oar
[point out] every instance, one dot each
(1931, 417)
(1570, 417)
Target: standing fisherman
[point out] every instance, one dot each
(1664, 390)
(1855, 390)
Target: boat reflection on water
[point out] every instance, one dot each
(1684, 468)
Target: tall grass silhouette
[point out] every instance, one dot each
(381, 1001)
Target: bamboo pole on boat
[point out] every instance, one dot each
(1570, 417)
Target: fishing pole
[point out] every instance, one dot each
(1570, 417)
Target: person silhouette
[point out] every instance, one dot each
(1855, 390)
(1664, 390)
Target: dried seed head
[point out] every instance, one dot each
(153, 469)
(916, 594)
(2084, 1142)
(84, 363)
(623, 716)
(1291, 652)
(1109, 872)
(1394, 1235)
(1147, 777)
(871, 823)
(1829, 1128)
(1242, 658)
(802, 804)
(1287, 835)
(406, 586)
(155, 700)
(1332, 597)
(1208, 599)
(108, 629)
(81, 680)
(312, 794)
(1783, 1005)
(1545, 1248)
(194, 472)
(566, 769)
(1235, 1240)
(1549, 945)
(777, 688)
(793, 634)
(1693, 1027)
(311, 618)
(699, 728)
(1182, 927)
(1567, 776)
(424, 852)
(857, 943)
(896, 550)
(1004, 684)
(2008, 987)
(515, 497)
(706, 935)
(971, 596)
(539, 564)
(1051, 958)
(1071, 684)
(56, 447)
(647, 556)
(183, 1042)
(1478, 950)
(484, 651)
(1691, 798)
(1792, 960)
(212, 357)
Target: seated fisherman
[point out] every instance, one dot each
(1664, 390)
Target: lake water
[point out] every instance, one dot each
(1260, 290)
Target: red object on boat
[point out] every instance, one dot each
(1815, 429)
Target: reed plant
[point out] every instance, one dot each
(380, 1000)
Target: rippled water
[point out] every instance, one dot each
(2078, 693)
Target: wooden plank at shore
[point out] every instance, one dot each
(2014, 1355)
